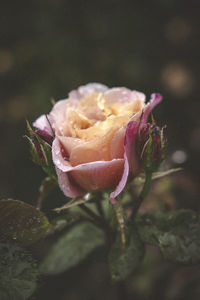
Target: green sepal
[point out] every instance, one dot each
(40, 151)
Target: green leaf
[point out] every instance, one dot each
(123, 261)
(22, 222)
(18, 272)
(72, 248)
(176, 233)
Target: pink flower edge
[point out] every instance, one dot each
(131, 163)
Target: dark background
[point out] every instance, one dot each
(48, 48)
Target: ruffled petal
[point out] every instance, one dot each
(97, 149)
(58, 114)
(69, 143)
(122, 95)
(87, 89)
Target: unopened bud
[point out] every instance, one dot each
(41, 142)
(151, 146)
(44, 135)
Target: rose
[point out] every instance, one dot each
(94, 143)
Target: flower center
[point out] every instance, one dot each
(94, 116)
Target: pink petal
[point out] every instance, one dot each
(155, 99)
(122, 182)
(69, 143)
(130, 147)
(58, 157)
(90, 176)
(58, 114)
(87, 89)
(117, 144)
(131, 162)
(130, 158)
(97, 149)
(99, 174)
(42, 123)
(69, 188)
(122, 95)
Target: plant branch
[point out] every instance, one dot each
(143, 194)
(46, 187)
(121, 222)
(89, 212)
(98, 221)
(100, 208)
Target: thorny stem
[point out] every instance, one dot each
(121, 222)
(143, 194)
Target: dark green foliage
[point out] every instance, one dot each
(124, 260)
(18, 272)
(72, 248)
(176, 233)
(22, 222)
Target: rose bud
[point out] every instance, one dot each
(93, 147)
(44, 136)
(151, 146)
(40, 142)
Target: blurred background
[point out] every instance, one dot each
(48, 48)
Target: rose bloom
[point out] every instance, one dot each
(94, 137)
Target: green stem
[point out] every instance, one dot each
(100, 208)
(143, 194)
(46, 187)
(98, 221)
(121, 222)
(89, 212)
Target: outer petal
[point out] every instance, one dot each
(90, 176)
(58, 114)
(131, 162)
(117, 144)
(58, 158)
(154, 100)
(87, 89)
(99, 174)
(42, 123)
(123, 95)
(68, 186)
(130, 158)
